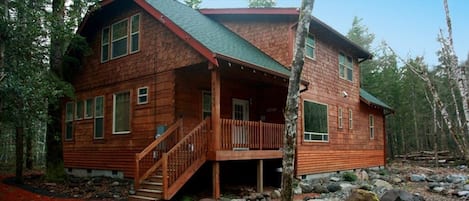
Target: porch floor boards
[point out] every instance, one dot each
(228, 155)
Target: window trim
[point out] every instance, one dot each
(327, 120)
(82, 109)
(340, 117)
(203, 111)
(312, 46)
(86, 115)
(114, 113)
(97, 117)
(114, 40)
(103, 43)
(350, 118)
(134, 33)
(69, 120)
(345, 77)
(142, 95)
(371, 122)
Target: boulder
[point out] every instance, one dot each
(335, 179)
(275, 194)
(400, 195)
(362, 195)
(306, 187)
(333, 187)
(463, 193)
(466, 187)
(438, 189)
(396, 180)
(297, 190)
(362, 175)
(418, 177)
(382, 183)
(320, 189)
(433, 185)
(455, 178)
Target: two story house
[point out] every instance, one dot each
(168, 89)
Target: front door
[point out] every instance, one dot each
(240, 132)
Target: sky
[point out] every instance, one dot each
(410, 27)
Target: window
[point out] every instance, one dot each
(120, 38)
(134, 33)
(310, 46)
(372, 126)
(340, 117)
(105, 44)
(89, 108)
(121, 112)
(315, 122)
(79, 110)
(99, 117)
(142, 96)
(206, 104)
(69, 120)
(345, 67)
(350, 119)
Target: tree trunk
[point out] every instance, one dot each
(54, 157)
(3, 37)
(291, 107)
(416, 129)
(29, 150)
(19, 154)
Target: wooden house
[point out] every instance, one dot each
(168, 89)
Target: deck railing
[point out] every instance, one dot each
(244, 135)
(146, 161)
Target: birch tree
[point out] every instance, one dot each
(291, 108)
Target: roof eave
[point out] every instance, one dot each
(369, 103)
(252, 11)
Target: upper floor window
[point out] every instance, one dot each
(315, 122)
(115, 41)
(310, 47)
(345, 67)
(79, 110)
(206, 104)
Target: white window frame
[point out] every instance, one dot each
(69, 119)
(371, 123)
(312, 46)
(350, 118)
(89, 116)
(134, 33)
(340, 117)
(104, 43)
(139, 95)
(314, 133)
(121, 38)
(114, 113)
(346, 67)
(82, 110)
(203, 109)
(96, 116)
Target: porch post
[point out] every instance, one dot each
(260, 176)
(216, 128)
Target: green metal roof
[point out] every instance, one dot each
(216, 37)
(373, 100)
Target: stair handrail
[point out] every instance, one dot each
(200, 152)
(139, 156)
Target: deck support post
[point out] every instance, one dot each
(260, 176)
(216, 179)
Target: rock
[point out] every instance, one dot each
(463, 193)
(333, 187)
(438, 189)
(366, 187)
(362, 175)
(434, 178)
(433, 185)
(297, 190)
(131, 192)
(306, 187)
(335, 179)
(400, 195)
(396, 180)
(455, 179)
(418, 177)
(462, 167)
(207, 199)
(466, 187)
(50, 184)
(362, 195)
(238, 199)
(318, 188)
(115, 183)
(275, 194)
(116, 196)
(382, 183)
(347, 186)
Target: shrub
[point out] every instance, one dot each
(349, 176)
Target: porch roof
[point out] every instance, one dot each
(216, 38)
(372, 100)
